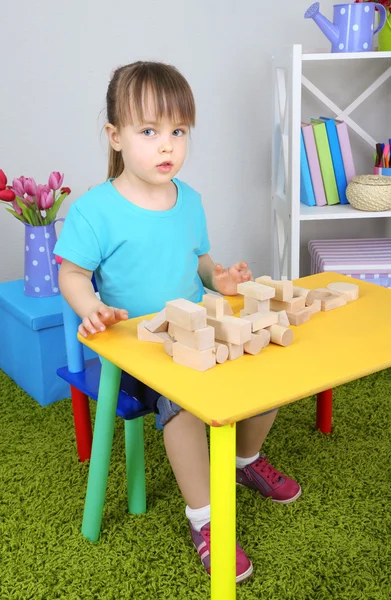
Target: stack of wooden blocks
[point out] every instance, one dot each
(199, 337)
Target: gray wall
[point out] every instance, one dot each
(55, 64)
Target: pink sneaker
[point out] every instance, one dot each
(201, 540)
(270, 483)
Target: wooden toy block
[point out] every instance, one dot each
(329, 300)
(315, 307)
(290, 305)
(299, 317)
(244, 313)
(200, 360)
(186, 314)
(145, 335)
(350, 290)
(168, 347)
(214, 305)
(234, 350)
(308, 294)
(227, 309)
(171, 330)
(158, 322)
(200, 339)
(264, 334)
(336, 293)
(251, 305)
(255, 345)
(231, 329)
(256, 290)
(222, 353)
(283, 318)
(261, 320)
(283, 336)
(283, 289)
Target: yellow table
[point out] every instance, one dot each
(331, 349)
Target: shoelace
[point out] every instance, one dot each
(205, 530)
(262, 466)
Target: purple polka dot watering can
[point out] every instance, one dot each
(353, 28)
(40, 267)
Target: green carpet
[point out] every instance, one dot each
(333, 543)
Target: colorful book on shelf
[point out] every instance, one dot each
(336, 157)
(313, 163)
(325, 161)
(346, 150)
(306, 189)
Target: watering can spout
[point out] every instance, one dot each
(330, 30)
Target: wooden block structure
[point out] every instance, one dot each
(283, 289)
(200, 337)
(265, 318)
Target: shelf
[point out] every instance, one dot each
(338, 211)
(318, 55)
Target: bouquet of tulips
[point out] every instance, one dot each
(385, 3)
(33, 203)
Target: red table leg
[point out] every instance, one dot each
(324, 411)
(81, 417)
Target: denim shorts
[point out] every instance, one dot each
(165, 408)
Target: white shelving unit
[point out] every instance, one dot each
(287, 210)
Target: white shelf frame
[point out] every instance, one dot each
(287, 211)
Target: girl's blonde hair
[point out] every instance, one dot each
(125, 99)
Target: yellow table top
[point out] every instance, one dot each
(331, 349)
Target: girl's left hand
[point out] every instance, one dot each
(226, 281)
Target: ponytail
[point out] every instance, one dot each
(116, 164)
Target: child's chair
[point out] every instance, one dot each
(84, 377)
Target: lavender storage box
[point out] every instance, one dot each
(368, 259)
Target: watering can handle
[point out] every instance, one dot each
(383, 17)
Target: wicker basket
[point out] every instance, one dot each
(370, 192)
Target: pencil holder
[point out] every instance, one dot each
(381, 171)
(370, 192)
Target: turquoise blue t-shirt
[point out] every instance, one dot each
(141, 258)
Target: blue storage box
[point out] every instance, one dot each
(32, 345)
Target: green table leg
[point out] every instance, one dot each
(101, 450)
(135, 471)
(223, 512)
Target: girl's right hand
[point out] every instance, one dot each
(100, 319)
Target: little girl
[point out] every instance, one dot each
(143, 233)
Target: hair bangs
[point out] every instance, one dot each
(152, 91)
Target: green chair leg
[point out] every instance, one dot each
(101, 450)
(135, 471)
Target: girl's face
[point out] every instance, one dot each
(154, 150)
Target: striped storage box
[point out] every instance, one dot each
(368, 259)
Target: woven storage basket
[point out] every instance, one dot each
(370, 192)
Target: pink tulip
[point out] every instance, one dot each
(41, 188)
(55, 180)
(17, 207)
(46, 200)
(29, 199)
(18, 187)
(30, 187)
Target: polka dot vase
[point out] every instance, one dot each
(353, 25)
(40, 267)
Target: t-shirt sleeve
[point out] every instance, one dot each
(78, 242)
(204, 246)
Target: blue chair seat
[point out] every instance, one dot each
(87, 381)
